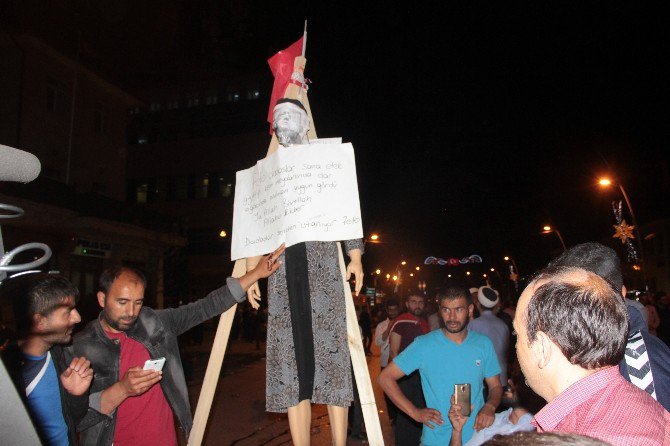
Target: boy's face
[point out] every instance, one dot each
(57, 326)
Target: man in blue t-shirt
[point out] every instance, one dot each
(444, 358)
(55, 390)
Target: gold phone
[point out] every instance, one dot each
(462, 397)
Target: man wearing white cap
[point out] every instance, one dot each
(492, 326)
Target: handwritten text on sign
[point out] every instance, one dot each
(297, 194)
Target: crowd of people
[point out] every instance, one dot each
(586, 367)
(95, 388)
(575, 362)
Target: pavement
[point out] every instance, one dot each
(238, 415)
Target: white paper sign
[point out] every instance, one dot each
(297, 194)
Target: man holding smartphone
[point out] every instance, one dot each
(125, 405)
(445, 358)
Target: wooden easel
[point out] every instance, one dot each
(360, 366)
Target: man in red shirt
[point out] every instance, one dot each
(572, 328)
(407, 327)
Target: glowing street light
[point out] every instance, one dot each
(388, 276)
(374, 238)
(403, 263)
(606, 182)
(418, 268)
(548, 230)
(223, 234)
(467, 273)
(506, 258)
(411, 274)
(378, 271)
(395, 278)
(493, 269)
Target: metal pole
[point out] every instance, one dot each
(561, 239)
(637, 232)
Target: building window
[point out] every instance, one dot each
(100, 118)
(193, 102)
(55, 95)
(225, 189)
(253, 94)
(212, 100)
(201, 186)
(233, 97)
(141, 193)
(155, 106)
(181, 188)
(173, 105)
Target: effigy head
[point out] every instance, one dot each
(290, 122)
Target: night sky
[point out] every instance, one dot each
(474, 124)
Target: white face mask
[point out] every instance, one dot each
(290, 124)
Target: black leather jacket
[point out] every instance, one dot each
(157, 330)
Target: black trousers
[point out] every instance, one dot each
(408, 431)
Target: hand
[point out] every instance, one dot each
(355, 267)
(269, 264)
(428, 417)
(456, 418)
(485, 417)
(137, 381)
(77, 377)
(254, 295)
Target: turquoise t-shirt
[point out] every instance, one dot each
(443, 363)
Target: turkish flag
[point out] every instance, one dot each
(281, 65)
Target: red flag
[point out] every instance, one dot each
(281, 65)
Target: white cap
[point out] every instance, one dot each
(487, 296)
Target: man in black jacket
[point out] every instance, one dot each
(55, 389)
(125, 406)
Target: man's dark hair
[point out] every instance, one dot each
(392, 302)
(109, 275)
(532, 438)
(594, 257)
(581, 313)
(453, 293)
(39, 293)
(412, 294)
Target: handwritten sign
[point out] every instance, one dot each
(297, 194)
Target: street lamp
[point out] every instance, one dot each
(548, 230)
(606, 182)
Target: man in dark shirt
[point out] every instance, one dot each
(407, 327)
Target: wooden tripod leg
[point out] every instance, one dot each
(360, 365)
(214, 367)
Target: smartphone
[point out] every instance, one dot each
(462, 397)
(157, 364)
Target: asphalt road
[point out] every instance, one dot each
(238, 415)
